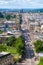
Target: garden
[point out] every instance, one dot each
(16, 46)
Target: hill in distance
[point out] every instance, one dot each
(22, 10)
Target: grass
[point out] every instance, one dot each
(14, 46)
(12, 50)
(41, 61)
(16, 56)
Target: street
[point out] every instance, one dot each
(29, 55)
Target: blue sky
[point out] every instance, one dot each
(21, 4)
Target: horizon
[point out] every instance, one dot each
(21, 8)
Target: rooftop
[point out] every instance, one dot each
(2, 54)
(9, 21)
(34, 23)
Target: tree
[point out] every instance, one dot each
(38, 45)
(3, 47)
(1, 15)
(20, 45)
(20, 16)
(10, 41)
(8, 17)
(14, 16)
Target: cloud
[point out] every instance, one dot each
(21, 3)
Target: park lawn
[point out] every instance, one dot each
(41, 61)
(12, 50)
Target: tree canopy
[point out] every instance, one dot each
(38, 45)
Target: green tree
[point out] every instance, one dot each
(14, 16)
(20, 16)
(3, 47)
(10, 41)
(8, 17)
(38, 45)
(20, 45)
(1, 15)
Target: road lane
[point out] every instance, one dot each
(29, 56)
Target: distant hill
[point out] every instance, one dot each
(22, 10)
(33, 10)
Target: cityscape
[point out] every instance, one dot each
(21, 34)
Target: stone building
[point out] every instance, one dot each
(34, 26)
(6, 58)
(13, 23)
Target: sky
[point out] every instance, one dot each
(20, 4)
